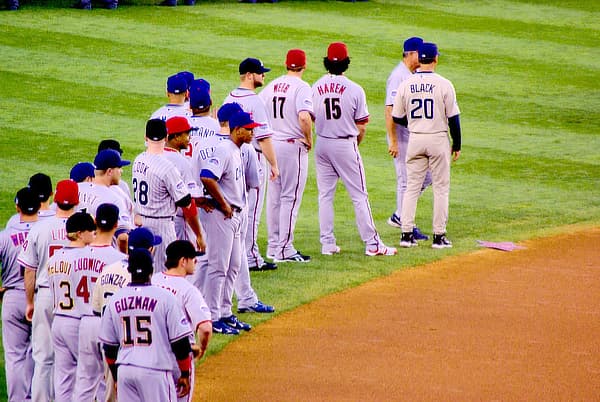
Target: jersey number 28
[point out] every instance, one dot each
(140, 191)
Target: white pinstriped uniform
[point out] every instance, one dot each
(339, 104)
(252, 104)
(284, 98)
(157, 185)
(44, 239)
(16, 334)
(143, 320)
(194, 307)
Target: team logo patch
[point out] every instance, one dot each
(184, 321)
(308, 102)
(214, 161)
(180, 185)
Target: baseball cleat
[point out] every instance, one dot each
(418, 235)
(233, 322)
(394, 221)
(381, 249)
(258, 307)
(298, 257)
(408, 240)
(265, 266)
(219, 327)
(441, 241)
(330, 249)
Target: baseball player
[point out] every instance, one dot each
(291, 114)
(115, 145)
(252, 76)
(178, 139)
(44, 239)
(70, 275)
(41, 184)
(100, 253)
(223, 179)
(426, 104)
(82, 172)
(181, 261)
(159, 190)
(177, 92)
(16, 331)
(203, 124)
(397, 135)
(341, 117)
(142, 327)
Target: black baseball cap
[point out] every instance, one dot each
(107, 215)
(156, 129)
(140, 262)
(80, 222)
(181, 248)
(41, 184)
(251, 65)
(27, 201)
(110, 144)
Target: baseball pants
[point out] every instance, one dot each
(427, 151)
(165, 228)
(224, 250)
(42, 383)
(256, 199)
(400, 165)
(284, 197)
(16, 340)
(89, 381)
(66, 347)
(177, 374)
(142, 384)
(246, 296)
(340, 159)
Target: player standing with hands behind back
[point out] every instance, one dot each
(426, 103)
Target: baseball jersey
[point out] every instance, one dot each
(427, 99)
(252, 104)
(157, 185)
(143, 320)
(203, 150)
(339, 104)
(92, 195)
(202, 128)
(11, 244)
(184, 167)
(171, 110)
(189, 297)
(251, 166)
(284, 98)
(42, 242)
(68, 291)
(113, 277)
(42, 214)
(398, 74)
(226, 166)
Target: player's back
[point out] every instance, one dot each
(203, 127)
(251, 103)
(64, 288)
(92, 195)
(339, 104)
(113, 277)
(11, 244)
(184, 166)
(167, 111)
(144, 320)
(202, 150)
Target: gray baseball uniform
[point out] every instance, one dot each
(339, 105)
(143, 321)
(44, 239)
(285, 97)
(171, 110)
(202, 127)
(92, 195)
(251, 103)
(157, 186)
(16, 330)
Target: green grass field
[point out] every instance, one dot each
(526, 75)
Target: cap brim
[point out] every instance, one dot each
(251, 125)
(265, 70)
(125, 162)
(157, 240)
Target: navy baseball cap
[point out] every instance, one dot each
(200, 95)
(41, 184)
(177, 84)
(251, 65)
(109, 158)
(27, 201)
(188, 76)
(107, 215)
(227, 110)
(156, 129)
(142, 238)
(412, 44)
(80, 222)
(82, 171)
(241, 119)
(140, 262)
(110, 144)
(427, 51)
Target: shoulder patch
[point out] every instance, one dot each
(214, 161)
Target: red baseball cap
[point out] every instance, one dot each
(67, 192)
(178, 125)
(295, 58)
(337, 51)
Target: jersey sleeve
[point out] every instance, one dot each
(217, 163)
(251, 167)
(28, 255)
(108, 329)
(399, 109)
(178, 325)
(259, 115)
(391, 89)
(304, 101)
(175, 185)
(361, 114)
(450, 102)
(196, 308)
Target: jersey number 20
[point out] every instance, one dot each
(422, 108)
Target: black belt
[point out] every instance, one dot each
(216, 205)
(258, 150)
(156, 217)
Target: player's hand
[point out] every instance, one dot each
(29, 312)
(227, 211)
(455, 155)
(137, 220)
(183, 387)
(205, 204)
(2, 290)
(200, 244)
(393, 150)
(196, 352)
(274, 172)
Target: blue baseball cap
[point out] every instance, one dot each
(227, 110)
(427, 51)
(188, 76)
(142, 238)
(109, 158)
(241, 119)
(412, 44)
(177, 84)
(82, 171)
(200, 95)
(251, 65)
